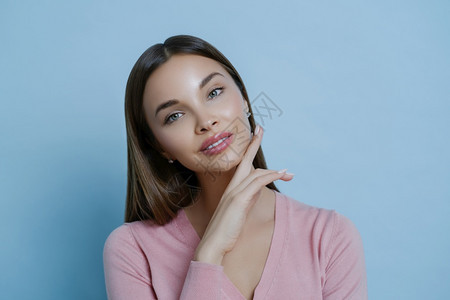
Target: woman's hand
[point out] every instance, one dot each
(230, 215)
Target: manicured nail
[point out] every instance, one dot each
(257, 129)
(282, 171)
(291, 174)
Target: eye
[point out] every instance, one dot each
(216, 92)
(172, 118)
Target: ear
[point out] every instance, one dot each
(167, 156)
(246, 107)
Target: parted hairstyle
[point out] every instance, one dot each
(156, 190)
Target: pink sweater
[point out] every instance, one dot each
(315, 254)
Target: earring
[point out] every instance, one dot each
(248, 114)
(170, 161)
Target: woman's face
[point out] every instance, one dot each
(197, 113)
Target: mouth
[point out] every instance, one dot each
(217, 143)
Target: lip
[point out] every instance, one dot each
(228, 138)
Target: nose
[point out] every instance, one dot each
(206, 123)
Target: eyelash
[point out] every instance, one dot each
(219, 88)
(168, 120)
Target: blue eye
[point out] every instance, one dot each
(216, 92)
(172, 118)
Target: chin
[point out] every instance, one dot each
(216, 164)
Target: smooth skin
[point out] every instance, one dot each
(234, 212)
(239, 233)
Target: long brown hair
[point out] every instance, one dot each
(156, 190)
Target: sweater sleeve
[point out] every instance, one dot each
(345, 274)
(203, 281)
(128, 276)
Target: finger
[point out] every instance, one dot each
(254, 145)
(246, 163)
(255, 185)
(239, 186)
(287, 176)
(239, 182)
(259, 175)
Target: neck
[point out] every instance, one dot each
(212, 187)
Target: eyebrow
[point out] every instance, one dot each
(174, 101)
(166, 105)
(208, 79)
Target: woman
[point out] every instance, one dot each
(204, 219)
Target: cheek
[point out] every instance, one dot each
(233, 107)
(171, 142)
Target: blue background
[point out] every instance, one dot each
(364, 92)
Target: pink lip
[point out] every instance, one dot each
(220, 147)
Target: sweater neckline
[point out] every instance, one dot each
(273, 258)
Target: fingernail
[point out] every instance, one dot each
(292, 174)
(256, 129)
(282, 171)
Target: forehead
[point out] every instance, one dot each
(178, 75)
